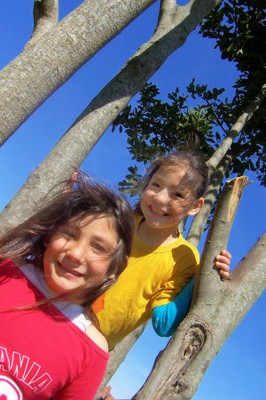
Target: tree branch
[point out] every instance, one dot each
(45, 14)
(71, 42)
(217, 175)
(78, 141)
(119, 353)
(215, 181)
(204, 330)
(219, 231)
(237, 127)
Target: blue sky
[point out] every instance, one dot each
(238, 371)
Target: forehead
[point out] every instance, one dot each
(175, 173)
(174, 176)
(102, 226)
(82, 220)
(93, 221)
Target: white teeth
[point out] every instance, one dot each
(159, 212)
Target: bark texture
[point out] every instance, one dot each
(174, 25)
(119, 353)
(61, 49)
(54, 52)
(218, 164)
(216, 310)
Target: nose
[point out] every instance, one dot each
(162, 196)
(75, 253)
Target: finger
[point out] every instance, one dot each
(223, 270)
(226, 253)
(222, 266)
(223, 260)
(225, 275)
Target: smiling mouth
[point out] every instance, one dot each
(158, 213)
(69, 271)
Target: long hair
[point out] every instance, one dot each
(194, 165)
(87, 197)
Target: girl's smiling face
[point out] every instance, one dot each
(79, 253)
(167, 199)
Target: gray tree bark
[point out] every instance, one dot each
(54, 52)
(45, 14)
(53, 55)
(119, 353)
(218, 165)
(216, 310)
(174, 25)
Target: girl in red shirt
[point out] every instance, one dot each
(53, 266)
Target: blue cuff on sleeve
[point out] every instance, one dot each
(166, 318)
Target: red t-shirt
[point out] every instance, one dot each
(42, 353)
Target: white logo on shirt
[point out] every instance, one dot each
(27, 371)
(9, 390)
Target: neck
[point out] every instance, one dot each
(156, 237)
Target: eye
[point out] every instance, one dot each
(154, 184)
(178, 195)
(99, 249)
(66, 232)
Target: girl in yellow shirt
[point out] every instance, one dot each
(157, 282)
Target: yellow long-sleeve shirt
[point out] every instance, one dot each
(153, 277)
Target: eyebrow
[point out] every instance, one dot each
(105, 242)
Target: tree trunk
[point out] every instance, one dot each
(199, 221)
(174, 25)
(217, 174)
(52, 55)
(179, 369)
(51, 60)
(216, 310)
(119, 353)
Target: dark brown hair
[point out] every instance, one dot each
(88, 197)
(194, 165)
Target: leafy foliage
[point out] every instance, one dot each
(239, 30)
(201, 118)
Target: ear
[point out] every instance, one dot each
(196, 206)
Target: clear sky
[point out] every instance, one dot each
(239, 370)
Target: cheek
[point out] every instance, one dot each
(175, 209)
(55, 246)
(148, 192)
(97, 269)
(180, 209)
(46, 261)
(145, 197)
